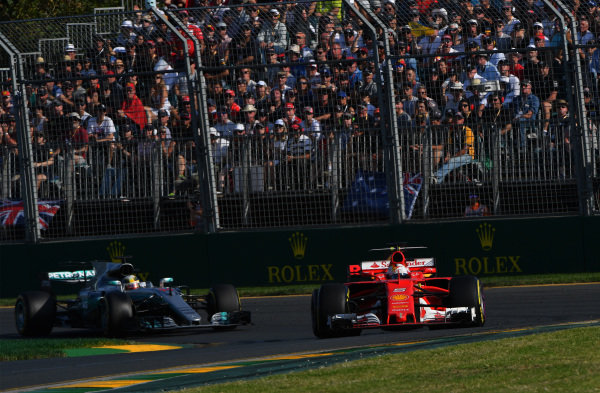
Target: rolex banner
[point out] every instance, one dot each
(368, 193)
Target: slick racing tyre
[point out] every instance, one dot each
(116, 314)
(223, 298)
(34, 313)
(466, 291)
(329, 300)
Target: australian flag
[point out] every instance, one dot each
(368, 193)
(12, 213)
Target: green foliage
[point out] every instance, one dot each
(12, 10)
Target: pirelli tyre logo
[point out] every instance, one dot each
(488, 263)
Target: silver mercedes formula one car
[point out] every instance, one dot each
(114, 301)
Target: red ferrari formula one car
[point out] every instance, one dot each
(396, 292)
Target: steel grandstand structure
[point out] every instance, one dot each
(265, 115)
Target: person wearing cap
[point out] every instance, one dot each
(127, 34)
(244, 47)
(215, 60)
(503, 41)
(476, 208)
(311, 126)
(473, 34)
(224, 125)
(459, 148)
(250, 119)
(486, 69)
(274, 33)
(455, 93)
(519, 40)
(557, 136)
(282, 81)
(526, 107)
(101, 127)
(219, 151)
(224, 39)
(510, 21)
(98, 52)
(500, 117)
(290, 117)
(298, 151)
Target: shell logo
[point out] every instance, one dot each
(399, 297)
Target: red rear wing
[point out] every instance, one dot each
(375, 269)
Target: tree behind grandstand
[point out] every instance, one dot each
(32, 9)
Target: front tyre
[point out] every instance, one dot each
(35, 312)
(329, 300)
(116, 314)
(467, 291)
(223, 298)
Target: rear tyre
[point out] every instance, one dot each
(466, 291)
(223, 298)
(35, 312)
(329, 300)
(116, 314)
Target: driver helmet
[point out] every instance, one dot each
(398, 265)
(131, 282)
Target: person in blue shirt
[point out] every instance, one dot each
(526, 107)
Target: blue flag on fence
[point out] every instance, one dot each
(368, 193)
(12, 213)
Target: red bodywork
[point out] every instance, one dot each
(398, 300)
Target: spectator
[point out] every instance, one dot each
(127, 34)
(526, 107)
(323, 106)
(224, 125)
(250, 119)
(509, 83)
(132, 110)
(43, 160)
(498, 118)
(475, 208)
(298, 150)
(245, 48)
(460, 148)
(101, 128)
(163, 124)
(78, 138)
(273, 34)
(159, 97)
(311, 126)
(404, 120)
(219, 148)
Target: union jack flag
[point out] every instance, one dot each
(12, 213)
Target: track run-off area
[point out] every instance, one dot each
(280, 340)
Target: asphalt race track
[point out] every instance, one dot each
(282, 325)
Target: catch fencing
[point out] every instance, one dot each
(295, 114)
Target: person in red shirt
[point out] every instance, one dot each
(132, 109)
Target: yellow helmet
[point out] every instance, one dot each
(131, 282)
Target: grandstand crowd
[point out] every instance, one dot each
(290, 85)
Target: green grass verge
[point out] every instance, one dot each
(564, 361)
(40, 348)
